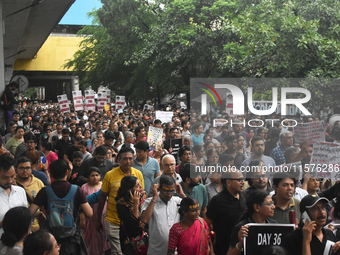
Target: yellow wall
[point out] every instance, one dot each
(52, 55)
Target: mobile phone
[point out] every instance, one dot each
(305, 216)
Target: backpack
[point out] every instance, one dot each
(60, 220)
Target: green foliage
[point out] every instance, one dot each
(147, 50)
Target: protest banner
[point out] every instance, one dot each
(90, 103)
(147, 107)
(229, 104)
(101, 100)
(155, 138)
(325, 161)
(63, 103)
(78, 100)
(120, 102)
(107, 92)
(261, 236)
(164, 116)
(312, 131)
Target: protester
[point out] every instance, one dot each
(95, 241)
(260, 207)
(161, 212)
(191, 235)
(307, 238)
(16, 225)
(40, 243)
(130, 198)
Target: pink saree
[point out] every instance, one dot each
(193, 241)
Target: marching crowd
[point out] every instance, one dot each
(123, 196)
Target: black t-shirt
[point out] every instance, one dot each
(69, 152)
(234, 236)
(61, 147)
(293, 242)
(225, 211)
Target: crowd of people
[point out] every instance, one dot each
(125, 197)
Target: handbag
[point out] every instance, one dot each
(139, 243)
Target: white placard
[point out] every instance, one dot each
(164, 116)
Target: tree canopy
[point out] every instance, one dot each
(149, 49)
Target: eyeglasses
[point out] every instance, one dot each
(269, 204)
(24, 168)
(239, 180)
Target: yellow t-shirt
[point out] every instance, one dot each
(32, 190)
(111, 184)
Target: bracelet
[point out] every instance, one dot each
(238, 248)
(154, 201)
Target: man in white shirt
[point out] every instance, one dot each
(161, 212)
(10, 195)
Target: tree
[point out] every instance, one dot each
(150, 49)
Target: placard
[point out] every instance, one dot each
(78, 100)
(155, 138)
(147, 107)
(175, 144)
(325, 161)
(101, 100)
(261, 236)
(90, 103)
(219, 122)
(120, 102)
(312, 131)
(164, 116)
(63, 103)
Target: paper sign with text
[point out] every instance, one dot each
(312, 131)
(164, 116)
(261, 236)
(155, 138)
(325, 161)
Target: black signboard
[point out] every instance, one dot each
(261, 236)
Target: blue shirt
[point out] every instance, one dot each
(197, 139)
(149, 170)
(41, 176)
(278, 154)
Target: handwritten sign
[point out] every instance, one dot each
(325, 161)
(164, 116)
(313, 132)
(261, 236)
(155, 138)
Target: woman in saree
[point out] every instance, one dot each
(191, 236)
